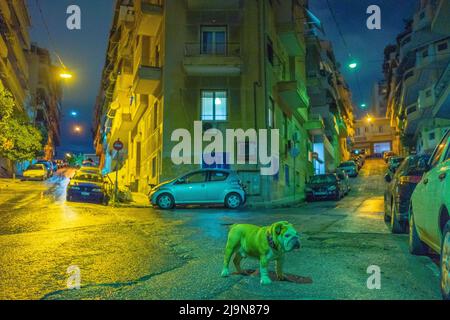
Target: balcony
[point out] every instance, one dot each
(218, 60)
(150, 17)
(147, 79)
(290, 21)
(315, 125)
(293, 95)
(440, 20)
(213, 5)
(121, 127)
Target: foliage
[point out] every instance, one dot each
(19, 141)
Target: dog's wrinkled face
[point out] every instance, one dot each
(286, 235)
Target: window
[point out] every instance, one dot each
(285, 130)
(366, 129)
(380, 129)
(155, 116)
(154, 167)
(425, 53)
(218, 176)
(422, 15)
(214, 40)
(442, 46)
(271, 114)
(428, 93)
(432, 136)
(286, 175)
(270, 53)
(439, 150)
(214, 105)
(358, 131)
(196, 177)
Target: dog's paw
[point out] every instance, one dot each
(266, 280)
(225, 273)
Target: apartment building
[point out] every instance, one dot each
(45, 97)
(375, 135)
(230, 64)
(331, 105)
(417, 75)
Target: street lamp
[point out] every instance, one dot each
(74, 113)
(65, 74)
(77, 129)
(363, 105)
(352, 65)
(369, 118)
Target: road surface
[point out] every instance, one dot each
(138, 253)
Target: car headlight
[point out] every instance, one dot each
(332, 188)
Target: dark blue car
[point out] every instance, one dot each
(87, 186)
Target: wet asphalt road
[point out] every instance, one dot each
(132, 253)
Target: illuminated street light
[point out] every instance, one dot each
(77, 129)
(369, 118)
(363, 105)
(352, 65)
(68, 155)
(74, 113)
(65, 75)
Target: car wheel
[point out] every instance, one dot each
(445, 263)
(396, 227)
(165, 201)
(416, 246)
(233, 201)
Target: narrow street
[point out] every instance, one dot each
(151, 254)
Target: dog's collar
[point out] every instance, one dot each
(271, 242)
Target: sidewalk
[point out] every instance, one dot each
(139, 200)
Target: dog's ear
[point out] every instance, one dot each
(277, 227)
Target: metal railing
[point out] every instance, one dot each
(220, 49)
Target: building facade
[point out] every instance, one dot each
(375, 136)
(45, 97)
(26, 72)
(417, 74)
(331, 105)
(229, 64)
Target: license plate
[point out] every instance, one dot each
(85, 193)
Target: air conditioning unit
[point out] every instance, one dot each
(126, 14)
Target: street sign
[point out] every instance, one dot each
(118, 145)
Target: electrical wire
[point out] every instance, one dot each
(50, 38)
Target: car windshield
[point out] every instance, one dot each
(35, 167)
(347, 164)
(329, 178)
(87, 176)
(413, 166)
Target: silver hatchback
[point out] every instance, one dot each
(206, 186)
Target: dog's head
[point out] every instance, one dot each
(285, 236)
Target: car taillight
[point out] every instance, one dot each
(410, 179)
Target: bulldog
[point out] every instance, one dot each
(264, 243)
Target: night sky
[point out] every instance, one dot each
(83, 51)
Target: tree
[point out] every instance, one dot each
(19, 140)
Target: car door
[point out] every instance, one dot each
(191, 188)
(437, 184)
(426, 208)
(216, 186)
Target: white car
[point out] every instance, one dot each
(36, 172)
(429, 214)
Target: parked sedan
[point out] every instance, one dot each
(36, 172)
(324, 186)
(343, 176)
(399, 189)
(206, 186)
(429, 214)
(87, 186)
(48, 165)
(350, 167)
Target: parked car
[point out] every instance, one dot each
(36, 172)
(54, 166)
(345, 181)
(350, 167)
(399, 189)
(87, 186)
(394, 163)
(206, 186)
(48, 165)
(324, 186)
(429, 213)
(359, 161)
(387, 155)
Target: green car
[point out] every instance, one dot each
(429, 214)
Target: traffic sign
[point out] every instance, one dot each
(118, 145)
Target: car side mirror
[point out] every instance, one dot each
(387, 178)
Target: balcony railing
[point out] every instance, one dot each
(217, 49)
